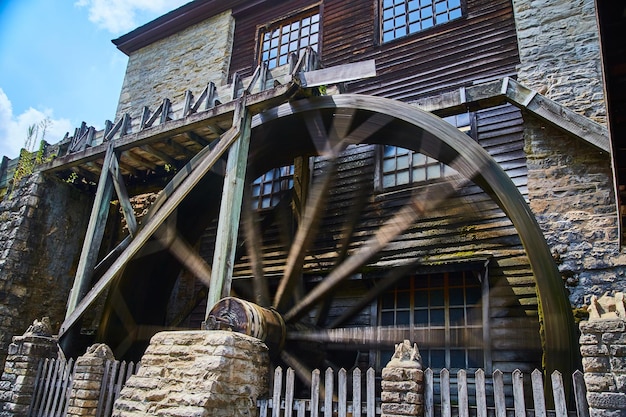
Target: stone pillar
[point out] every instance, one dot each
(603, 349)
(197, 373)
(20, 369)
(403, 383)
(88, 380)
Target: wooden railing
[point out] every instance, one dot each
(485, 396)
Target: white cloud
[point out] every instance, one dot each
(14, 128)
(119, 16)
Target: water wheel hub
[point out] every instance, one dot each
(242, 316)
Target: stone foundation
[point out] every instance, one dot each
(403, 383)
(20, 370)
(197, 373)
(603, 348)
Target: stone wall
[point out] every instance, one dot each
(42, 225)
(197, 373)
(571, 193)
(187, 60)
(559, 51)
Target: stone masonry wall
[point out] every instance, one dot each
(197, 373)
(571, 193)
(187, 60)
(42, 225)
(559, 51)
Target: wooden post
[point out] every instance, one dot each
(230, 210)
(95, 232)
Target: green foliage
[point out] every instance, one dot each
(29, 157)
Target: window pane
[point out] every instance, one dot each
(437, 317)
(403, 300)
(403, 317)
(387, 318)
(457, 358)
(457, 316)
(456, 296)
(388, 301)
(402, 178)
(420, 318)
(437, 358)
(436, 298)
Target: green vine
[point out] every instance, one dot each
(29, 157)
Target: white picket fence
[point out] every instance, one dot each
(441, 398)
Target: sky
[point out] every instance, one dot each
(57, 63)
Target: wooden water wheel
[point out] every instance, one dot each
(284, 308)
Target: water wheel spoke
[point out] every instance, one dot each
(254, 245)
(367, 337)
(304, 237)
(168, 237)
(422, 202)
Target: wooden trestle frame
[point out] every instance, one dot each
(235, 139)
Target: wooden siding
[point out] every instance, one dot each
(478, 46)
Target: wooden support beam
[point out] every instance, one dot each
(193, 136)
(161, 155)
(168, 206)
(95, 232)
(140, 160)
(122, 195)
(230, 210)
(180, 149)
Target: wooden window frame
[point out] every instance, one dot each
(279, 184)
(278, 42)
(483, 279)
(415, 17)
(465, 122)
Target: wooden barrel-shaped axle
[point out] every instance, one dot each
(242, 316)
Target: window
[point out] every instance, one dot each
(445, 314)
(289, 36)
(404, 17)
(401, 166)
(269, 188)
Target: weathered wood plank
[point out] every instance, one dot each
(498, 393)
(481, 395)
(371, 392)
(122, 195)
(289, 388)
(315, 393)
(338, 74)
(558, 393)
(356, 393)
(429, 401)
(518, 393)
(538, 396)
(580, 394)
(462, 393)
(278, 385)
(230, 209)
(342, 388)
(94, 234)
(444, 383)
(328, 392)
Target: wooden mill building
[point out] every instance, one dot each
(371, 171)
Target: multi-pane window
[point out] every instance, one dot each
(269, 188)
(403, 166)
(289, 36)
(403, 17)
(444, 313)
